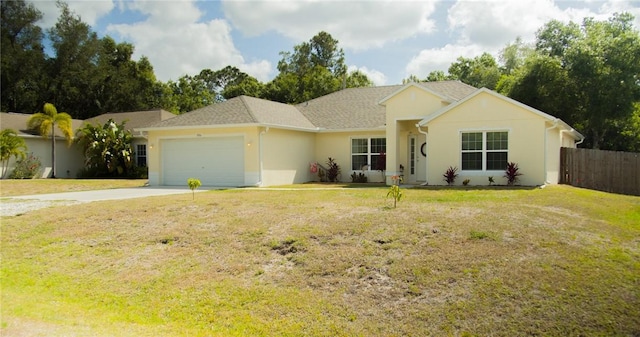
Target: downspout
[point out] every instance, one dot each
(546, 135)
(426, 161)
(259, 183)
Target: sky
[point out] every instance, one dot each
(386, 40)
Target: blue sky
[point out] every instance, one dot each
(387, 40)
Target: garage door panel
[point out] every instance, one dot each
(215, 161)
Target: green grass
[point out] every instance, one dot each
(339, 262)
(16, 187)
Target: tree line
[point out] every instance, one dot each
(88, 76)
(586, 74)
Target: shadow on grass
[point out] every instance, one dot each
(473, 188)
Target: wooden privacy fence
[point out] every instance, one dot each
(609, 171)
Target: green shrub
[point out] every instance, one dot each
(193, 185)
(358, 178)
(480, 235)
(26, 168)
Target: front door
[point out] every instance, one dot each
(417, 159)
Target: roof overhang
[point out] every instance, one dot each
(226, 126)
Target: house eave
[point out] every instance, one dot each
(376, 129)
(225, 126)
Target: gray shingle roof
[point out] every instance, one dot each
(241, 110)
(352, 108)
(134, 119)
(18, 122)
(455, 90)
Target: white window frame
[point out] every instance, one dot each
(138, 155)
(369, 154)
(484, 150)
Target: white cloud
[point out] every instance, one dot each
(489, 25)
(176, 42)
(377, 77)
(88, 10)
(495, 23)
(429, 60)
(358, 25)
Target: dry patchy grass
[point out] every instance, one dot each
(15, 187)
(558, 261)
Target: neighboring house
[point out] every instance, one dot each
(69, 158)
(422, 128)
(134, 120)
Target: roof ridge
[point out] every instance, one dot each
(248, 107)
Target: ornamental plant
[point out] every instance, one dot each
(26, 168)
(394, 190)
(193, 185)
(512, 173)
(333, 170)
(107, 148)
(450, 175)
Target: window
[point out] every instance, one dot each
(141, 155)
(365, 153)
(484, 151)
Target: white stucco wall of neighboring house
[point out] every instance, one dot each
(69, 159)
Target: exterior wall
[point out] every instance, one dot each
(250, 134)
(286, 156)
(556, 139)
(486, 112)
(404, 111)
(337, 145)
(69, 159)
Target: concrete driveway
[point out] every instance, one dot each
(10, 206)
(110, 194)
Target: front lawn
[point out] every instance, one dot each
(14, 187)
(557, 261)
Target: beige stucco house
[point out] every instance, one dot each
(421, 128)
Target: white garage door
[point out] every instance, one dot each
(217, 161)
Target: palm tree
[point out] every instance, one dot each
(11, 145)
(45, 123)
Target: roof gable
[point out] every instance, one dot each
(494, 94)
(448, 91)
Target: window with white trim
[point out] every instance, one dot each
(141, 155)
(485, 151)
(366, 153)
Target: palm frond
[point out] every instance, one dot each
(65, 125)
